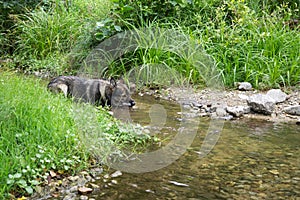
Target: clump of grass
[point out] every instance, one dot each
(39, 132)
(253, 47)
(155, 55)
(47, 36)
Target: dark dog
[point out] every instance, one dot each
(94, 91)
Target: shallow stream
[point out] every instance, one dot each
(252, 159)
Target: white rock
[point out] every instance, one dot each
(277, 95)
(244, 86)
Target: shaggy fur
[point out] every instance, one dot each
(94, 91)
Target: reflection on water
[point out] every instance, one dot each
(252, 160)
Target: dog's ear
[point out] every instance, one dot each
(113, 82)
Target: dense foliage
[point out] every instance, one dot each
(255, 41)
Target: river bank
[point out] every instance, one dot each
(235, 104)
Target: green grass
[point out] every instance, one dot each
(37, 134)
(48, 39)
(41, 131)
(257, 48)
(247, 40)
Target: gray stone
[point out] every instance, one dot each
(238, 111)
(244, 86)
(277, 95)
(261, 103)
(196, 104)
(293, 110)
(221, 112)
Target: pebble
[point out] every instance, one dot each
(83, 197)
(116, 174)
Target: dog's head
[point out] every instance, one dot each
(121, 95)
(60, 84)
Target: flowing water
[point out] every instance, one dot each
(252, 160)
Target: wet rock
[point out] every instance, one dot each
(84, 190)
(221, 112)
(95, 172)
(238, 111)
(244, 86)
(293, 110)
(116, 174)
(277, 95)
(261, 103)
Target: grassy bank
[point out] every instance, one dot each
(248, 40)
(39, 132)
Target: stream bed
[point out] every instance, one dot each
(252, 159)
